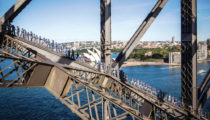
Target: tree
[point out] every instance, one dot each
(157, 55)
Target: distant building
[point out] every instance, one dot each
(148, 53)
(173, 40)
(202, 52)
(76, 44)
(174, 57)
(118, 44)
(208, 42)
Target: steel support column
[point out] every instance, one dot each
(106, 31)
(105, 110)
(188, 53)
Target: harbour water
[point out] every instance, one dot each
(39, 104)
(165, 78)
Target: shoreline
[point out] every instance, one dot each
(130, 63)
(141, 63)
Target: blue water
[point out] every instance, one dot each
(32, 104)
(166, 78)
(115, 55)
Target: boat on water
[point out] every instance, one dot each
(201, 71)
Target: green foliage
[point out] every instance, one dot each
(116, 50)
(81, 51)
(158, 53)
(139, 53)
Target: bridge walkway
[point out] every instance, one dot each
(88, 93)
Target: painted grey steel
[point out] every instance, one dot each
(204, 84)
(188, 53)
(204, 91)
(65, 82)
(106, 31)
(133, 42)
(105, 6)
(53, 56)
(205, 96)
(14, 11)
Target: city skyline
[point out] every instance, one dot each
(66, 22)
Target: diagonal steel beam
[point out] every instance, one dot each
(204, 97)
(204, 84)
(14, 11)
(132, 43)
(21, 58)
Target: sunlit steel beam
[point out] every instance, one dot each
(106, 31)
(133, 42)
(13, 12)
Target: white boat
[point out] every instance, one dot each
(201, 71)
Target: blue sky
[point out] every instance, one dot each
(79, 20)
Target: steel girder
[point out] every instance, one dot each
(84, 91)
(204, 91)
(86, 99)
(21, 69)
(13, 12)
(18, 64)
(100, 86)
(105, 6)
(48, 53)
(204, 84)
(133, 42)
(188, 53)
(133, 97)
(204, 98)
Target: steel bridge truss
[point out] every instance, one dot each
(83, 91)
(17, 61)
(95, 95)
